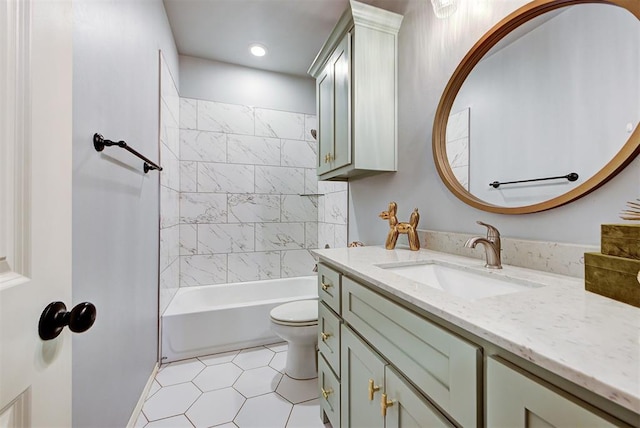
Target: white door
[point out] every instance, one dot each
(35, 209)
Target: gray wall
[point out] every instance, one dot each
(429, 51)
(218, 81)
(115, 205)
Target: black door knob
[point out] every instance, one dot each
(55, 317)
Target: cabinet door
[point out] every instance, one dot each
(324, 91)
(360, 365)
(342, 103)
(516, 399)
(408, 408)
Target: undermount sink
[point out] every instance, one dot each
(463, 283)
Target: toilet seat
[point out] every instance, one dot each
(300, 313)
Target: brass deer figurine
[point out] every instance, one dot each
(396, 228)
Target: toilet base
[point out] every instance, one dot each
(301, 361)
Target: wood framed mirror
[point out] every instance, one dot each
(564, 145)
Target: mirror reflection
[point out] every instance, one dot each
(558, 95)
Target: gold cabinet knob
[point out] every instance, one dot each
(325, 286)
(372, 389)
(324, 336)
(326, 392)
(384, 403)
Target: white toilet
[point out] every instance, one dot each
(297, 323)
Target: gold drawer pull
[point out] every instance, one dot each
(326, 392)
(384, 403)
(326, 286)
(372, 389)
(325, 336)
(328, 158)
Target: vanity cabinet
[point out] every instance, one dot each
(356, 85)
(380, 346)
(370, 345)
(516, 399)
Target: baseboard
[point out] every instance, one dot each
(138, 409)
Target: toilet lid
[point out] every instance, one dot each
(301, 311)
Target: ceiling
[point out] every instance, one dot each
(292, 30)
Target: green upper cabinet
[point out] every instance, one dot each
(356, 91)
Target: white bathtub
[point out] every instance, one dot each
(217, 318)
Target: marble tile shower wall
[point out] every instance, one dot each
(169, 187)
(242, 173)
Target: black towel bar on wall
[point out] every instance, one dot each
(571, 177)
(99, 143)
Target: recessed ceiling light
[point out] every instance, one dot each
(257, 50)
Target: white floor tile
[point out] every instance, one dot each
(253, 357)
(175, 422)
(298, 391)
(155, 387)
(269, 410)
(141, 421)
(278, 347)
(217, 377)
(215, 407)
(279, 361)
(179, 372)
(229, 425)
(213, 359)
(306, 415)
(170, 401)
(258, 381)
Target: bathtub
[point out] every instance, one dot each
(217, 318)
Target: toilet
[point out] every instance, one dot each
(297, 323)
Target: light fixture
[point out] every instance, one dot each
(257, 49)
(444, 8)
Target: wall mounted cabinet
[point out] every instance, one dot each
(356, 85)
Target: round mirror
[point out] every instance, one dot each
(544, 108)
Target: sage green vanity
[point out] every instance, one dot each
(394, 347)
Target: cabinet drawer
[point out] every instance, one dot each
(329, 337)
(329, 392)
(516, 398)
(443, 366)
(329, 287)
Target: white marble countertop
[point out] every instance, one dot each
(585, 338)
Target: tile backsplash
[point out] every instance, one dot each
(554, 257)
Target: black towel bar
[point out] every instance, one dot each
(571, 177)
(99, 143)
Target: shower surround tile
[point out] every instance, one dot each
(188, 239)
(203, 146)
(170, 207)
(227, 118)
(188, 176)
(279, 124)
(296, 263)
(279, 180)
(279, 236)
(253, 266)
(203, 208)
(299, 208)
(241, 172)
(254, 208)
(310, 122)
(223, 178)
(225, 238)
(188, 113)
(300, 154)
(170, 176)
(203, 269)
(248, 149)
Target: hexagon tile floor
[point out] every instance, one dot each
(246, 388)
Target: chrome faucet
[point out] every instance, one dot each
(491, 246)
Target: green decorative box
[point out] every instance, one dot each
(621, 240)
(613, 277)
